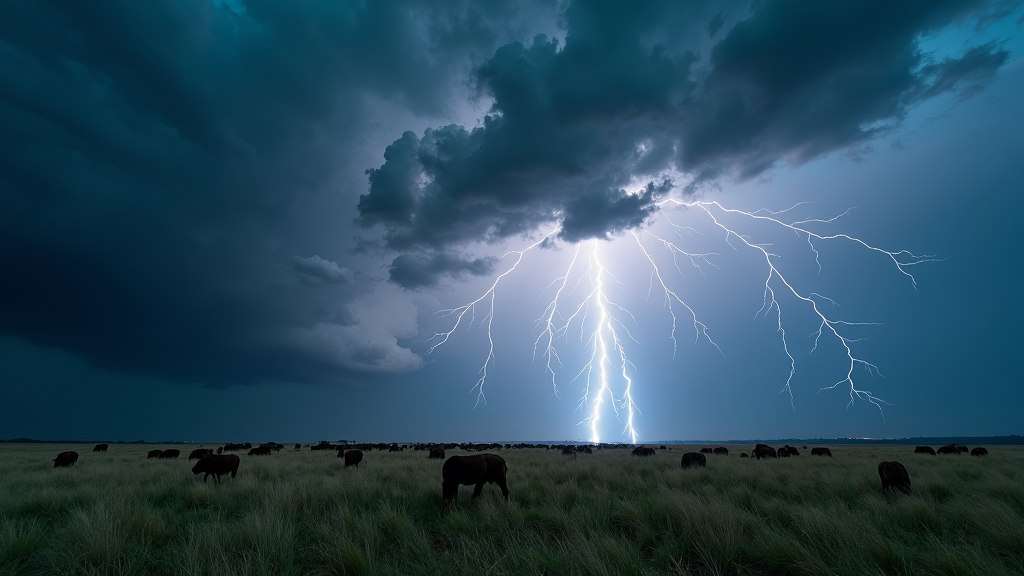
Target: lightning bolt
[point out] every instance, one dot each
(600, 319)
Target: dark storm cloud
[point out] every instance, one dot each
(410, 271)
(632, 96)
(156, 158)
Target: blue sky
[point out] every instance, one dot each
(238, 221)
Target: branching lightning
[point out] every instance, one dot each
(582, 301)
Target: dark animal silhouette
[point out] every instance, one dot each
(790, 449)
(298, 447)
(199, 453)
(819, 451)
(961, 448)
(721, 451)
(220, 450)
(477, 469)
(694, 459)
(154, 454)
(216, 465)
(948, 449)
(706, 450)
(744, 455)
(260, 451)
(352, 457)
(979, 451)
(894, 476)
(924, 450)
(100, 448)
(169, 453)
(436, 453)
(65, 459)
(568, 451)
(764, 451)
(643, 451)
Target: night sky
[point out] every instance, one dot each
(239, 220)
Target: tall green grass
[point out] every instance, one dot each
(606, 513)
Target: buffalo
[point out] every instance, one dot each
(948, 449)
(478, 469)
(706, 450)
(643, 451)
(352, 457)
(764, 451)
(924, 450)
(216, 465)
(791, 449)
(568, 451)
(199, 453)
(744, 455)
(721, 451)
(220, 450)
(65, 459)
(169, 453)
(819, 451)
(298, 447)
(694, 459)
(154, 454)
(100, 448)
(436, 452)
(962, 449)
(260, 451)
(894, 476)
(979, 451)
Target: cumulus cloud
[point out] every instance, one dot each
(637, 93)
(316, 268)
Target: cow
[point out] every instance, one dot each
(924, 450)
(694, 459)
(979, 451)
(721, 451)
(643, 451)
(65, 459)
(352, 457)
(477, 469)
(948, 449)
(100, 448)
(169, 453)
(764, 451)
(260, 451)
(819, 451)
(894, 477)
(199, 453)
(216, 465)
(436, 453)
(154, 454)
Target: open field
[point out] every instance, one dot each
(606, 513)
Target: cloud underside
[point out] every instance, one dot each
(589, 133)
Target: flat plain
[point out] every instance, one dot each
(605, 513)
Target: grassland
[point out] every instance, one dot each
(606, 513)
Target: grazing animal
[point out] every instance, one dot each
(979, 451)
(298, 447)
(436, 453)
(924, 450)
(961, 448)
(694, 459)
(643, 451)
(220, 450)
(65, 459)
(260, 451)
(818, 451)
(764, 451)
(894, 476)
(352, 457)
(169, 453)
(706, 450)
(216, 465)
(744, 455)
(568, 451)
(477, 469)
(948, 449)
(721, 451)
(791, 449)
(199, 453)
(154, 454)
(100, 448)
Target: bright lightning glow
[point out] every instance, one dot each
(607, 374)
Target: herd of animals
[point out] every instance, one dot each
(480, 469)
